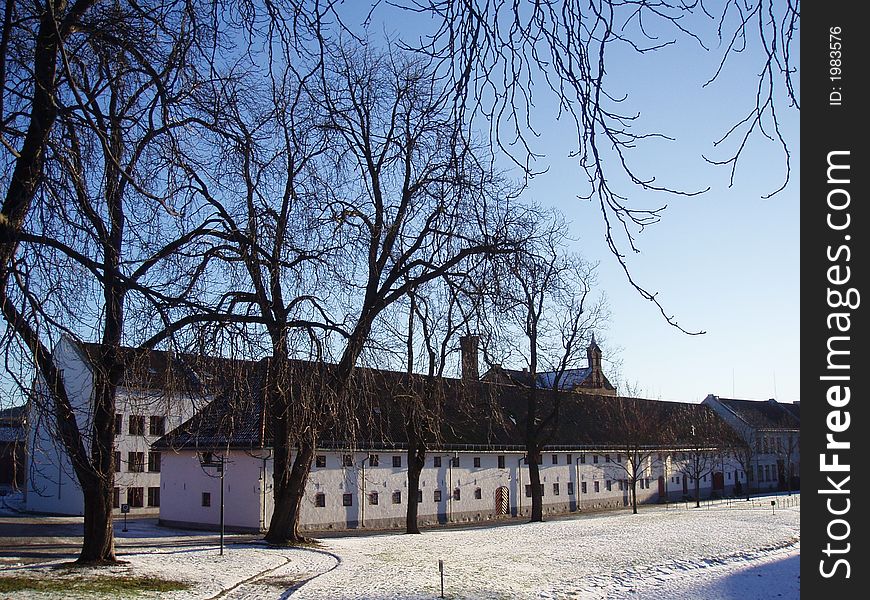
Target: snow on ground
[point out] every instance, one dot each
(609, 555)
(719, 552)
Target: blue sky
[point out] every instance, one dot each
(725, 262)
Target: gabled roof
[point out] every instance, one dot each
(470, 414)
(763, 414)
(165, 371)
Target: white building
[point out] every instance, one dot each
(771, 432)
(160, 391)
(474, 472)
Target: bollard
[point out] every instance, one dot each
(441, 570)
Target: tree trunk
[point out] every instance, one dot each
(535, 481)
(416, 461)
(697, 492)
(289, 492)
(634, 495)
(99, 536)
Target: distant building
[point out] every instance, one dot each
(770, 431)
(12, 448)
(590, 380)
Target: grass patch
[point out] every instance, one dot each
(106, 584)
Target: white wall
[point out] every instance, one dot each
(184, 481)
(248, 491)
(52, 486)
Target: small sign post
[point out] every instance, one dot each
(441, 570)
(773, 506)
(125, 508)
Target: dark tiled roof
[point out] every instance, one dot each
(13, 414)
(162, 370)
(763, 414)
(469, 414)
(794, 409)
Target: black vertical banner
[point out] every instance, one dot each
(834, 229)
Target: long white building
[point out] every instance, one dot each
(474, 471)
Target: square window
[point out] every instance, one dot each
(595, 458)
(454, 462)
(457, 495)
(136, 462)
(347, 460)
(436, 496)
(607, 458)
(478, 494)
(619, 458)
(116, 457)
(419, 496)
(135, 497)
(373, 498)
(397, 497)
(116, 497)
(528, 490)
(374, 460)
(119, 423)
(153, 462)
(320, 461)
(137, 425)
(609, 485)
(620, 485)
(583, 487)
(157, 425)
(555, 489)
(568, 459)
(597, 486)
(347, 499)
(501, 462)
(582, 459)
(570, 488)
(476, 462)
(436, 461)
(397, 462)
(320, 500)
(555, 459)
(206, 498)
(154, 496)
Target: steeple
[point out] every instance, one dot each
(593, 356)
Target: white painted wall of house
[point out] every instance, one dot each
(248, 488)
(52, 486)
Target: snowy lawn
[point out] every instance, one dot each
(610, 555)
(740, 551)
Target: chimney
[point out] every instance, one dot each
(468, 349)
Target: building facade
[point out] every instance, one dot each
(369, 489)
(147, 406)
(770, 433)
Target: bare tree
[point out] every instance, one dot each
(372, 192)
(501, 56)
(639, 431)
(435, 312)
(544, 296)
(86, 215)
